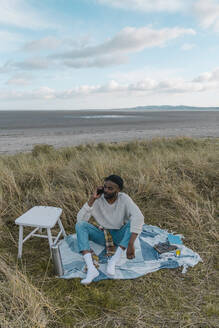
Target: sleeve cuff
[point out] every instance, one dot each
(135, 230)
(87, 207)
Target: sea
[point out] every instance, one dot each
(144, 118)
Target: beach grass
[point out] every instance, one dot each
(175, 183)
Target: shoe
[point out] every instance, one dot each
(111, 268)
(91, 275)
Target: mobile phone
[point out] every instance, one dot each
(100, 191)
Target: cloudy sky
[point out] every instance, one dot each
(78, 54)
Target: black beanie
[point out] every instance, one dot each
(116, 179)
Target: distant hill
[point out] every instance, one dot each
(168, 107)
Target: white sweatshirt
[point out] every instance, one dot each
(114, 216)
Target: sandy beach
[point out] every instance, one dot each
(21, 131)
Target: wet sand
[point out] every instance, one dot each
(21, 131)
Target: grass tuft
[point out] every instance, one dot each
(175, 183)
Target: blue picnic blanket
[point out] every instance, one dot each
(146, 260)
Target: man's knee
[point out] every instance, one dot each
(80, 225)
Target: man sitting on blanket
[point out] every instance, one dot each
(115, 211)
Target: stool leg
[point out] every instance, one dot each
(20, 242)
(49, 237)
(61, 227)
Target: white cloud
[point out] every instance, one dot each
(208, 76)
(19, 13)
(146, 5)
(20, 80)
(32, 64)
(205, 82)
(50, 43)
(36, 63)
(112, 52)
(40, 93)
(150, 72)
(128, 40)
(187, 46)
(6, 67)
(208, 13)
(44, 92)
(47, 43)
(6, 36)
(100, 61)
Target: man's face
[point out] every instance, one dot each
(111, 189)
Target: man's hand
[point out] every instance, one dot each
(94, 196)
(131, 248)
(130, 252)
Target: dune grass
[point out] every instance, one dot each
(175, 183)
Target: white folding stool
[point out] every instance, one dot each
(40, 217)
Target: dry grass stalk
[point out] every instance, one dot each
(22, 304)
(174, 182)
